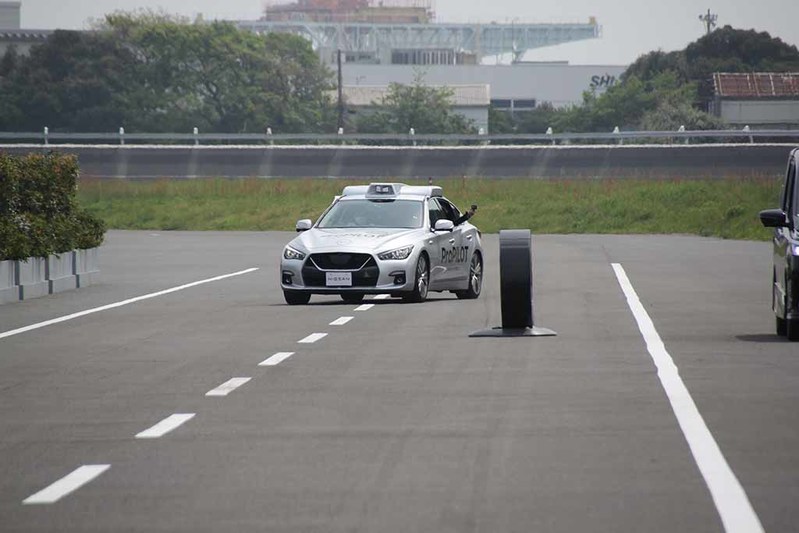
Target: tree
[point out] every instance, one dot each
(423, 108)
(725, 50)
(153, 72)
(222, 78)
(73, 81)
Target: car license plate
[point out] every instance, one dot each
(338, 279)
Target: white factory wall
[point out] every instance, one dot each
(761, 113)
(559, 84)
(10, 15)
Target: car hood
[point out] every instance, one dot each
(369, 240)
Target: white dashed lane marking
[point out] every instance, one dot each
(341, 321)
(120, 304)
(364, 307)
(382, 297)
(312, 338)
(276, 359)
(731, 501)
(227, 387)
(165, 426)
(66, 485)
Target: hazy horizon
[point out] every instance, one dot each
(629, 28)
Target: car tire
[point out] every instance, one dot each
(782, 327)
(421, 282)
(297, 297)
(352, 298)
(792, 330)
(475, 279)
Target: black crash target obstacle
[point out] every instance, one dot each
(516, 288)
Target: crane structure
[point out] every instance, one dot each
(404, 32)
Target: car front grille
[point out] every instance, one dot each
(365, 271)
(341, 261)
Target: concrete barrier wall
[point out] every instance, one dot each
(538, 162)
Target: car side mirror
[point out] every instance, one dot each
(444, 224)
(774, 218)
(304, 225)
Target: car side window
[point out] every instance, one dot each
(450, 211)
(435, 212)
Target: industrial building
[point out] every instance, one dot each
(11, 33)
(470, 101)
(396, 41)
(385, 41)
(761, 100)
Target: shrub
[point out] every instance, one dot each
(39, 214)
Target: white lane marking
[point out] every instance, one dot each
(227, 387)
(165, 426)
(276, 359)
(382, 297)
(341, 321)
(120, 304)
(312, 338)
(364, 307)
(731, 501)
(66, 485)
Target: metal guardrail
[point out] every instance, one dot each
(616, 137)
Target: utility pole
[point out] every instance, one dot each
(709, 20)
(340, 93)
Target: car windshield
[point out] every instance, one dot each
(374, 214)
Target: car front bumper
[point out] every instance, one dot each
(384, 277)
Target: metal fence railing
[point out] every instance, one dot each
(196, 138)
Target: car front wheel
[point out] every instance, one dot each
(421, 281)
(475, 279)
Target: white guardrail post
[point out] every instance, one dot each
(751, 138)
(550, 133)
(412, 133)
(122, 136)
(46, 135)
(196, 133)
(269, 136)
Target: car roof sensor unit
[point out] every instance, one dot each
(422, 190)
(378, 191)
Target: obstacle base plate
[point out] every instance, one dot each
(534, 331)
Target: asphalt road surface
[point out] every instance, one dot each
(132, 418)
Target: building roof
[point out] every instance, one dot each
(756, 84)
(478, 95)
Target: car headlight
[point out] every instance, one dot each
(396, 255)
(291, 253)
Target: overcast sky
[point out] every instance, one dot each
(629, 27)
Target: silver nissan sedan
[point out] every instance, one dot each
(384, 238)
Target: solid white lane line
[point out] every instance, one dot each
(276, 359)
(227, 387)
(364, 307)
(165, 426)
(382, 297)
(341, 321)
(731, 501)
(312, 338)
(120, 304)
(66, 485)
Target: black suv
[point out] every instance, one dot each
(785, 221)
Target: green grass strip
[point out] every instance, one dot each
(719, 208)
